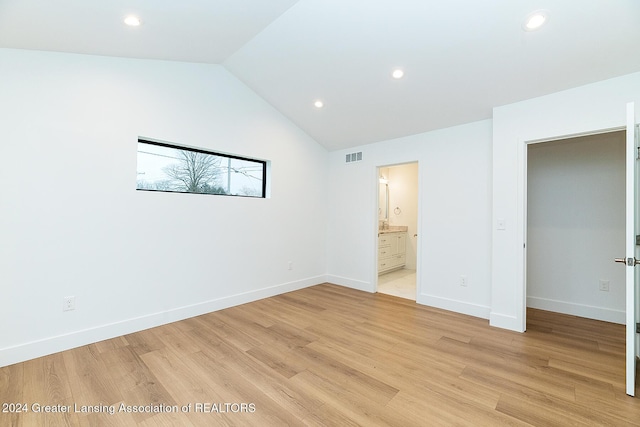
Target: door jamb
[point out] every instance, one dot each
(419, 224)
(525, 198)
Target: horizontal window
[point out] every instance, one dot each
(172, 168)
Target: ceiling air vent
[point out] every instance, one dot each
(354, 157)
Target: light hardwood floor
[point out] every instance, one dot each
(328, 355)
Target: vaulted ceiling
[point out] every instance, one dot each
(460, 58)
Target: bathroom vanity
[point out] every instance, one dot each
(392, 248)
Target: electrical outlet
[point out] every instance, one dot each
(68, 303)
(290, 265)
(604, 285)
(464, 281)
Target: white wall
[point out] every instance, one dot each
(454, 224)
(403, 194)
(586, 109)
(575, 225)
(72, 222)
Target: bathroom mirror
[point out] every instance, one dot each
(383, 202)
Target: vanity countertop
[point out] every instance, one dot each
(393, 229)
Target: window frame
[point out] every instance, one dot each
(264, 163)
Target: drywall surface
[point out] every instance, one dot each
(73, 224)
(454, 205)
(589, 109)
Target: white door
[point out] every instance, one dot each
(631, 256)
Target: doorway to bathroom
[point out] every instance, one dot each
(397, 230)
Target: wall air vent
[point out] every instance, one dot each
(354, 157)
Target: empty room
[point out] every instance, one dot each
(191, 213)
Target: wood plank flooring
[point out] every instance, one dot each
(332, 356)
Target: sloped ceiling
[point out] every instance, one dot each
(461, 58)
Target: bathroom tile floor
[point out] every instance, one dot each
(399, 283)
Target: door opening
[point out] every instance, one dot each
(587, 220)
(397, 233)
(575, 224)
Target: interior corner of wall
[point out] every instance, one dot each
(351, 283)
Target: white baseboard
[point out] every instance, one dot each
(50, 345)
(581, 310)
(351, 283)
(454, 305)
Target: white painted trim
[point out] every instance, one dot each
(522, 227)
(376, 252)
(581, 310)
(50, 345)
(630, 251)
(577, 135)
(375, 273)
(504, 321)
(454, 305)
(351, 283)
(523, 196)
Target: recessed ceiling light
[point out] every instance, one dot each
(318, 104)
(132, 21)
(535, 20)
(397, 74)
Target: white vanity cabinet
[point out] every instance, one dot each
(392, 251)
